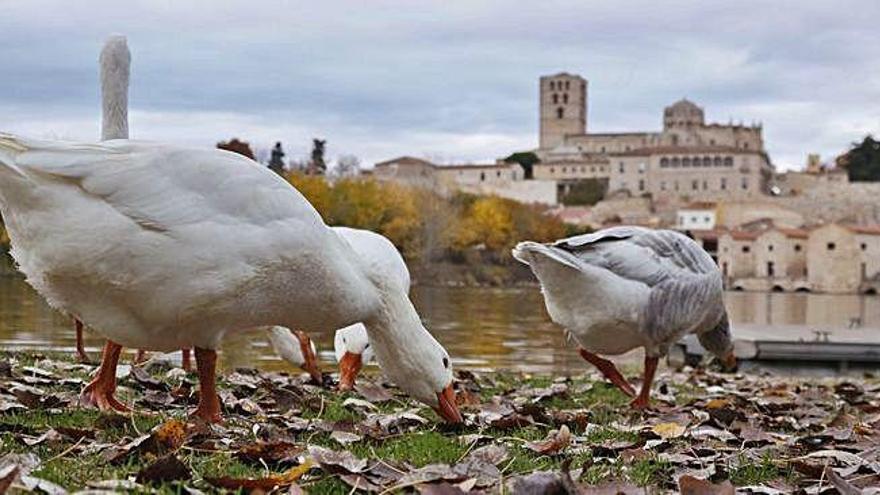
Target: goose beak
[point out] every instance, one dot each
(349, 367)
(446, 407)
(729, 361)
(311, 360)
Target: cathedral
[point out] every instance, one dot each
(688, 158)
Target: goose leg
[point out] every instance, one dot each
(209, 403)
(185, 359)
(610, 371)
(641, 402)
(100, 391)
(81, 355)
(140, 357)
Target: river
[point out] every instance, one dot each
(482, 328)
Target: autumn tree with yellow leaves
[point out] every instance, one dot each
(424, 225)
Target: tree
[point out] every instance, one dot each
(862, 161)
(318, 166)
(347, 166)
(276, 163)
(236, 146)
(585, 192)
(526, 160)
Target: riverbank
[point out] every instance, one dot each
(523, 432)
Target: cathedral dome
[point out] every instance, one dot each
(683, 113)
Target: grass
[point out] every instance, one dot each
(429, 444)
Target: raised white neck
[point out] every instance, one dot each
(115, 63)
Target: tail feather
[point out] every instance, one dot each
(10, 147)
(525, 251)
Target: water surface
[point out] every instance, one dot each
(482, 328)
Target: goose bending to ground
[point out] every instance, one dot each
(115, 69)
(351, 344)
(352, 348)
(295, 347)
(628, 287)
(165, 247)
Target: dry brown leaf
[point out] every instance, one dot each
(269, 452)
(717, 403)
(668, 430)
(166, 468)
(266, 484)
(688, 485)
(8, 475)
(556, 442)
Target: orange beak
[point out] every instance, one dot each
(311, 361)
(446, 407)
(729, 361)
(349, 367)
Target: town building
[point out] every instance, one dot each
(688, 158)
(502, 179)
(828, 258)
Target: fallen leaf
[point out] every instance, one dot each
(542, 482)
(372, 392)
(8, 475)
(337, 462)
(556, 442)
(668, 430)
(345, 438)
(359, 404)
(441, 489)
(688, 485)
(170, 435)
(266, 484)
(843, 486)
(269, 452)
(166, 468)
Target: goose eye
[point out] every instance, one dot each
(366, 346)
(446, 362)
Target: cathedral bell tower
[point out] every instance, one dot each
(563, 108)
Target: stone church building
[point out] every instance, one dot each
(687, 158)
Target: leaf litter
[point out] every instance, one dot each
(706, 433)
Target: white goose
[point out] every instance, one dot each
(115, 68)
(351, 344)
(628, 287)
(352, 348)
(295, 347)
(164, 247)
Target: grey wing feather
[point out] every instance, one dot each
(640, 254)
(680, 306)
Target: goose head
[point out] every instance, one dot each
(719, 342)
(353, 350)
(409, 355)
(295, 347)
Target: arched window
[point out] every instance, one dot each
(707, 162)
(555, 98)
(560, 113)
(552, 85)
(717, 161)
(564, 97)
(675, 163)
(482, 176)
(664, 162)
(728, 161)
(685, 162)
(567, 84)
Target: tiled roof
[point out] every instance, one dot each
(864, 229)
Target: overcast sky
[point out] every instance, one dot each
(454, 81)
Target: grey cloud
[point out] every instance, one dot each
(384, 78)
